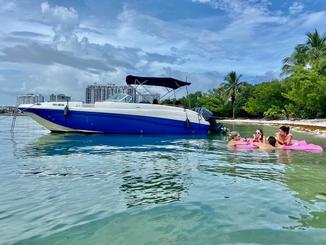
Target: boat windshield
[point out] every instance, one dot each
(120, 98)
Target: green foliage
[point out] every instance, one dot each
(301, 95)
(232, 85)
(216, 101)
(192, 100)
(274, 113)
(264, 96)
(310, 54)
(307, 93)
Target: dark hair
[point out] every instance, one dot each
(285, 129)
(261, 132)
(271, 140)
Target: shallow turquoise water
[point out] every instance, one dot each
(97, 189)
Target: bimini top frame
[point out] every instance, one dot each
(167, 82)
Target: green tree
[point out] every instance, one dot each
(306, 91)
(265, 96)
(298, 58)
(311, 54)
(192, 100)
(232, 86)
(215, 101)
(245, 93)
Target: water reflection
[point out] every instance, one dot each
(151, 169)
(254, 165)
(66, 144)
(284, 157)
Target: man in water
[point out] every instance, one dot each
(269, 144)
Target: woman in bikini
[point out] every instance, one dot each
(284, 137)
(259, 136)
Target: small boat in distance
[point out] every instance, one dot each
(120, 116)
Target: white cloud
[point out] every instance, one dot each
(296, 8)
(7, 6)
(64, 50)
(236, 8)
(64, 22)
(65, 19)
(316, 20)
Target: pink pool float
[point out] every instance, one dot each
(302, 145)
(297, 145)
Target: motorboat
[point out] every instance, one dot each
(119, 115)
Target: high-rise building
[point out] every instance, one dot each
(102, 92)
(30, 99)
(59, 98)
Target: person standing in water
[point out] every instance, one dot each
(284, 137)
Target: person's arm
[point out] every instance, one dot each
(241, 143)
(288, 139)
(281, 142)
(254, 139)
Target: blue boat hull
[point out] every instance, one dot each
(108, 123)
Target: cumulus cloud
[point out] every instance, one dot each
(64, 22)
(296, 8)
(64, 19)
(56, 48)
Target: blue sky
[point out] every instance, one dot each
(63, 46)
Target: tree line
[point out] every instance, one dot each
(301, 93)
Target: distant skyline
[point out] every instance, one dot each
(63, 46)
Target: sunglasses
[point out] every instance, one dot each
(257, 132)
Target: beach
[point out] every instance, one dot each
(314, 126)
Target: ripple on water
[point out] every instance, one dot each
(95, 189)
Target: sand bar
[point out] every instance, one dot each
(315, 126)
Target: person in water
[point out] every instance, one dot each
(284, 137)
(268, 144)
(235, 139)
(259, 136)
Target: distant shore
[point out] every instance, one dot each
(315, 126)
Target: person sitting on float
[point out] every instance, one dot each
(259, 136)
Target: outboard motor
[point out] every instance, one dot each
(214, 127)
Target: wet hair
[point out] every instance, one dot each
(233, 134)
(285, 129)
(271, 140)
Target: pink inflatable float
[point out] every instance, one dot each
(250, 144)
(297, 145)
(302, 145)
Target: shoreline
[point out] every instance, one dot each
(314, 126)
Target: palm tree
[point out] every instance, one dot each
(311, 54)
(317, 49)
(298, 58)
(232, 86)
